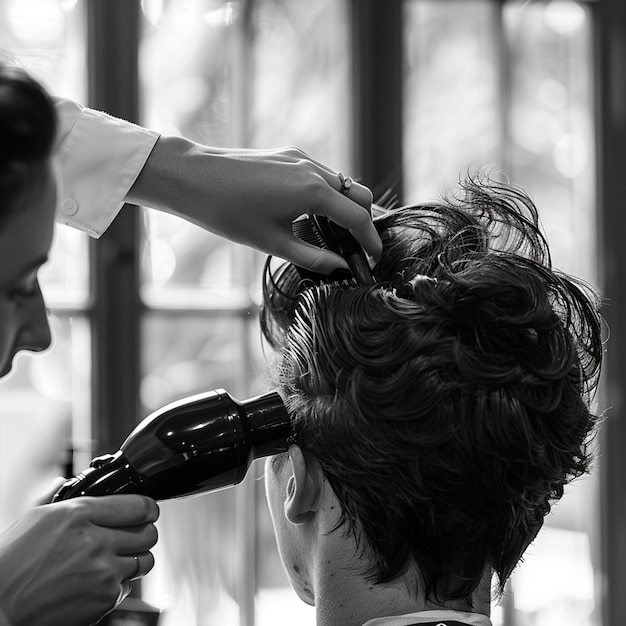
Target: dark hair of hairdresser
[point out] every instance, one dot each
(448, 405)
(27, 132)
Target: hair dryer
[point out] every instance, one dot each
(198, 444)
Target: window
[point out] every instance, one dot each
(507, 84)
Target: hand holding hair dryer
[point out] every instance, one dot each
(198, 444)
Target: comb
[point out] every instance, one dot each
(323, 233)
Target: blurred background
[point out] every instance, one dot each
(405, 95)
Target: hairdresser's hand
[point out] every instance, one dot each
(253, 196)
(70, 563)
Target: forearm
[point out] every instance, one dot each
(180, 177)
(252, 197)
(248, 196)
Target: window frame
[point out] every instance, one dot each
(610, 35)
(113, 28)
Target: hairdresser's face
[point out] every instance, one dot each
(25, 239)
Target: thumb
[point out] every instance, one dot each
(54, 486)
(311, 257)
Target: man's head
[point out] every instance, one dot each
(447, 405)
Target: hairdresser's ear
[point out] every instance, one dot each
(304, 487)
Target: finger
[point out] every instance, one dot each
(357, 220)
(309, 256)
(139, 565)
(120, 511)
(50, 492)
(361, 195)
(357, 192)
(347, 210)
(133, 540)
(368, 237)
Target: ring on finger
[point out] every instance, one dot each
(137, 571)
(345, 182)
(137, 566)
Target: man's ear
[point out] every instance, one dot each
(304, 487)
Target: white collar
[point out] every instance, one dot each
(471, 619)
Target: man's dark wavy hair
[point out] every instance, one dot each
(27, 132)
(448, 405)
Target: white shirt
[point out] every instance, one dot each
(423, 617)
(98, 158)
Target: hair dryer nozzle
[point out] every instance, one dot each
(268, 424)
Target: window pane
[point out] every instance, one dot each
(452, 119)
(47, 38)
(183, 354)
(187, 70)
(195, 578)
(550, 134)
(178, 257)
(302, 78)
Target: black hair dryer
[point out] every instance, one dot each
(198, 444)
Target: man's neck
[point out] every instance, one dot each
(335, 582)
(344, 598)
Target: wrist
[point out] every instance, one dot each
(185, 179)
(159, 182)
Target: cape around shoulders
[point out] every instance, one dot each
(432, 618)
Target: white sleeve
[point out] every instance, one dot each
(98, 157)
